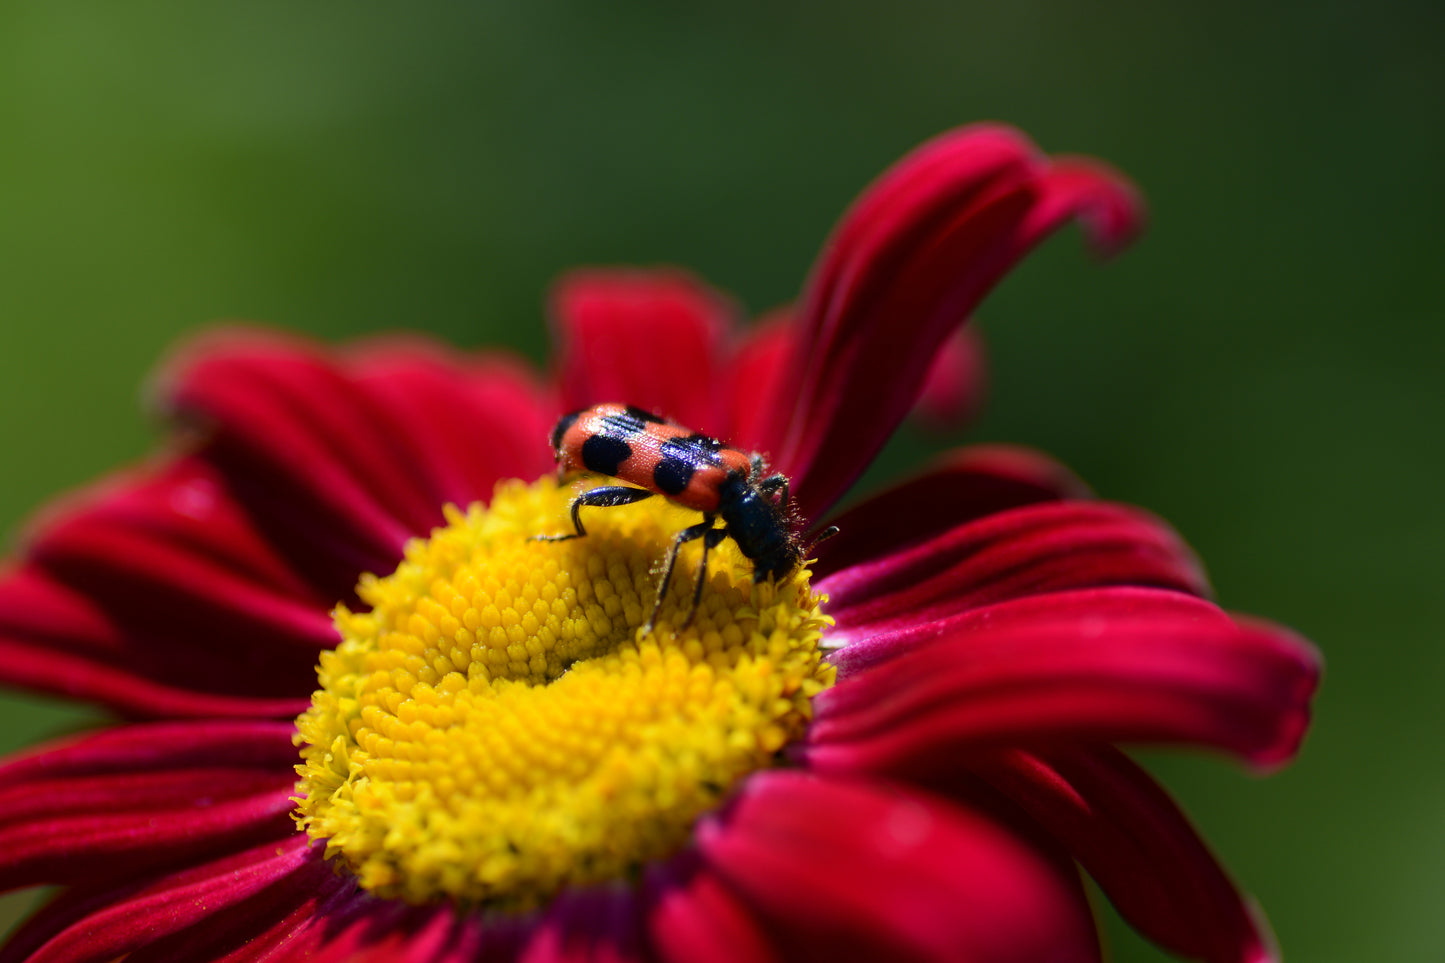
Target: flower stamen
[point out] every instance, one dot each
(499, 726)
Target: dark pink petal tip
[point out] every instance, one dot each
(1127, 833)
(909, 261)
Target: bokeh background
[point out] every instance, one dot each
(1264, 369)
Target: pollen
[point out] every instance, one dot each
(499, 725)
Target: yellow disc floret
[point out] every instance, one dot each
(499, 725)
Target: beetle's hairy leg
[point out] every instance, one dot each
(608, 496)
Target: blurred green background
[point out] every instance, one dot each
(1264, 369)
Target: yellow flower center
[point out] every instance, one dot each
(498, 726)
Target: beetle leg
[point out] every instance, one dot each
(608, 496)
(775, 483)
(702, 528)
(713, 540)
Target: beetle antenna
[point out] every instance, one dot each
(822, 536)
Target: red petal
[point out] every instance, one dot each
(646, 338)
(693, 918)
(329, 464)
(1101, 673)
(752, 380)
(470, 422)
(963, 485)
(907, 264)
(1032, 550)
(273, 924)
(1053, 610)
(135, 798)
(1131, 837)
(279, 415)
(860, 871)
(130, 918)
(125, 577)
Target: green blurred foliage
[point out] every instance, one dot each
(1264, 369)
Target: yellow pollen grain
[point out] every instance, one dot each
(498, 727)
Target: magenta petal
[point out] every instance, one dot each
(1032, 550)
(374, 930)
(857, 871)
(130, 799)
(1131, 837)
(271, 924)
(909, 261)
(647, 338)
(692, 917)
(128, 921)
(1109, 675)
(599, 925)
(963, 485)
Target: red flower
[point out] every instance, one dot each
(996, 632)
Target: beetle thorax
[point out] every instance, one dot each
(759, 527)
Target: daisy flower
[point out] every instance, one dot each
(368, 715)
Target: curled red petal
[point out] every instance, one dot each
(648, 338)
(1133, 840)
(1051, 611)
(1032, 550)
(845, 870)
(961, 486)
(1110, 675)
(956, 383)
(909, 261)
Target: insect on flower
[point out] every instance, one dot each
(692, 470)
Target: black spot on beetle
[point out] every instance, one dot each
(700, 441)
(567, 422)
(672, 475)
(624, 424)
(643, 415)
(604, 454)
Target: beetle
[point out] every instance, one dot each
(693, 470)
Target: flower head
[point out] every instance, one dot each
(904, 748)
